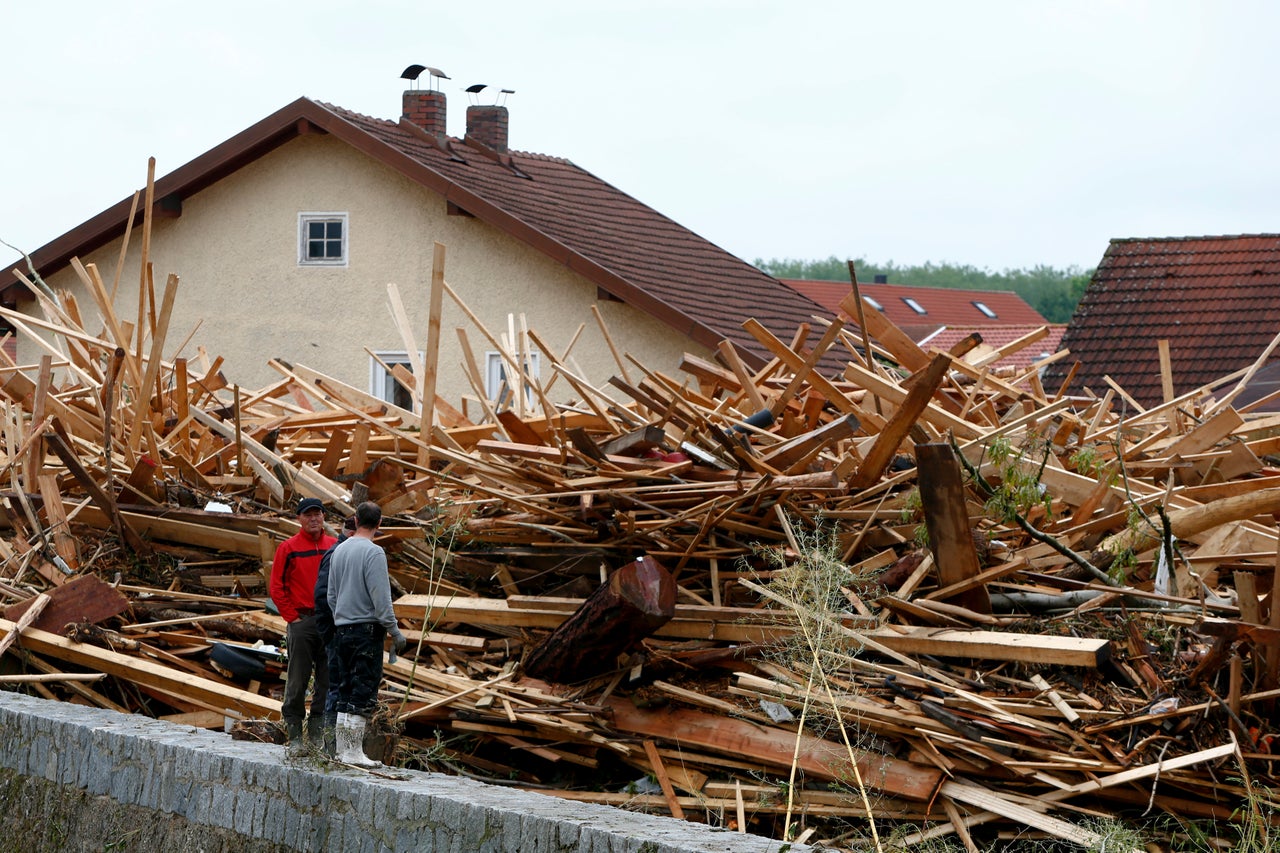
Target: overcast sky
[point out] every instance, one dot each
(998, 134)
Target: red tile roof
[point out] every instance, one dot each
(997, 336)
(626, 248)
(942, 305)
(1215, 299)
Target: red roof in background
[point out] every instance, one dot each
(996, 337)
(1215, 299)
(623, 246)
(943, 306)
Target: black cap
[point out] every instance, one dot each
(309, 503)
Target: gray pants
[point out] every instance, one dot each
(306, 656)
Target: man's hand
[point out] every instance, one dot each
(398, 642)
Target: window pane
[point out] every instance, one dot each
(315, 248)
(333, 230)
(315, 230)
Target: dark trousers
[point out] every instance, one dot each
(359, 675)
(331, 654)
(306, 657)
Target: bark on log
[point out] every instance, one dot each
(637, 599)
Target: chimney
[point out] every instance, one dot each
(488, 126)
(881, 279)
(426, 110)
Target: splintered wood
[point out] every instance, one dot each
(920, 597)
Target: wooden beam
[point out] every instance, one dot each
(236, 702)
(910, 408)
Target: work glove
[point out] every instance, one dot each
(398, 643)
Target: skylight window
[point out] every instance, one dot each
(873, 303)
(913, 305)
(987, 312)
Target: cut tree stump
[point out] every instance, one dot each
(947, 518)
(637, 599)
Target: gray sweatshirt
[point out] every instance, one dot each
(359, 589)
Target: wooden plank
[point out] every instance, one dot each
(59, 528)
(62, 447)
(32, 610)
(898, 343)
(210, 535)
(775, 747)
(432, 359)
(993, 645)
(791, 454)
(664, 781)
(84, 598)
(989, 800)
(910, 408)
(236, 702)
(896, 394)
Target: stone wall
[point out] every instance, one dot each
(76, 778)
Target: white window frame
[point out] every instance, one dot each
(380, 379)
(495, 366)
(914, 305)
(305, 218)
(986, 311)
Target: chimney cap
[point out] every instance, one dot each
(414, 71)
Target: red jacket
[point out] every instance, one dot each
(293, 573)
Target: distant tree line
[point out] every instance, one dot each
(1051, 291)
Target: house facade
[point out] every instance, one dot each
(286, 237)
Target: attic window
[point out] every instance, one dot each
(873, 303)
(322, 239)
(986, 312)
(913, 305)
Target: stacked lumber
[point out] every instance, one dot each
(917, 599)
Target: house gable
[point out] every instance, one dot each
(628, 250)
(235, 247)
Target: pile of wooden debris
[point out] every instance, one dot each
(923, 598)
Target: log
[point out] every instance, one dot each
(946, 516)
(637, 599)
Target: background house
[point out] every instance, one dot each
(940, 317)
(1215, 299)
(286, 236)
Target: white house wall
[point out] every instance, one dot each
(235, 248)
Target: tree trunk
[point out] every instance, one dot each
(637, 599)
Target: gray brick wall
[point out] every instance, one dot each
(194, 777)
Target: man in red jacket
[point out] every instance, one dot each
(293, 583)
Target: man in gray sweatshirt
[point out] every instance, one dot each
(359, 594)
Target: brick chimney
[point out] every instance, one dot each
(488, 126)
(426, 109)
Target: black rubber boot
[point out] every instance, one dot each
(315, 730)
(293, 728)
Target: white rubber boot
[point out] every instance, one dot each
(351, 741)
